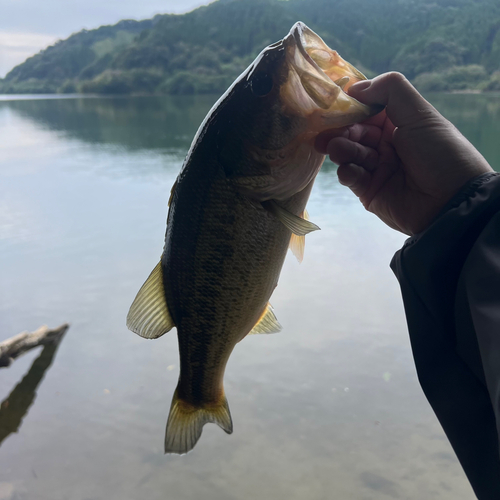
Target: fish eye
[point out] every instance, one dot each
(262, 84)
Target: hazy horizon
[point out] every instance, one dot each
(27, 26)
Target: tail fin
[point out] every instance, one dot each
(185, 423)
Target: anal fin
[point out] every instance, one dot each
(148, 315)
(267, 323)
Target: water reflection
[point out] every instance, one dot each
(15, 406)
(132, 123)
(328, 408)
(477, 116)
(169, 123)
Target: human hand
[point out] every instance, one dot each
(405, 163)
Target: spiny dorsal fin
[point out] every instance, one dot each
(185, 423)
(296, 224)
(298, 243)
(268, 322)
(148, 315)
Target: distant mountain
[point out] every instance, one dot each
(440, 44)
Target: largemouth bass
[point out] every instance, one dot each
(237, 205)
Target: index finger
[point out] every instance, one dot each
(404, 105)
(377, 120)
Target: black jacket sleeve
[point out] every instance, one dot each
(450, 281)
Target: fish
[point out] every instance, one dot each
(237, 205)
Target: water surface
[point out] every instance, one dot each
(328, 408)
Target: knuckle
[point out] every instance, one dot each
(395, 78)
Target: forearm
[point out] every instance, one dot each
(447, 355)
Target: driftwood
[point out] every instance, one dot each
(14, 347)
(16, 405)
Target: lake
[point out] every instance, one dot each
(329, 408)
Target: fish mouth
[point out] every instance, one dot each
(318, 80)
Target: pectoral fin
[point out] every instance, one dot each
(296, 224)
(148, 315)
(268, 322)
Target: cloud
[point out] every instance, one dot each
(17, 47)
(28, 26)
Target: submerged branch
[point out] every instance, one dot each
(16, 405)
(14, 347)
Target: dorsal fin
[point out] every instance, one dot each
(298, 243)
(267, 323)
(148, 315)
(296, 224)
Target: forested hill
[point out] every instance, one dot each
(439, 44)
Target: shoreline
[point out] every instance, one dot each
(27, 97)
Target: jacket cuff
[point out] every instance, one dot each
(449, 238)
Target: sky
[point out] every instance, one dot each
(28, 26)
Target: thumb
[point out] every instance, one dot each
(404, 105)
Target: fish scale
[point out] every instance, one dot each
(227, 284)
